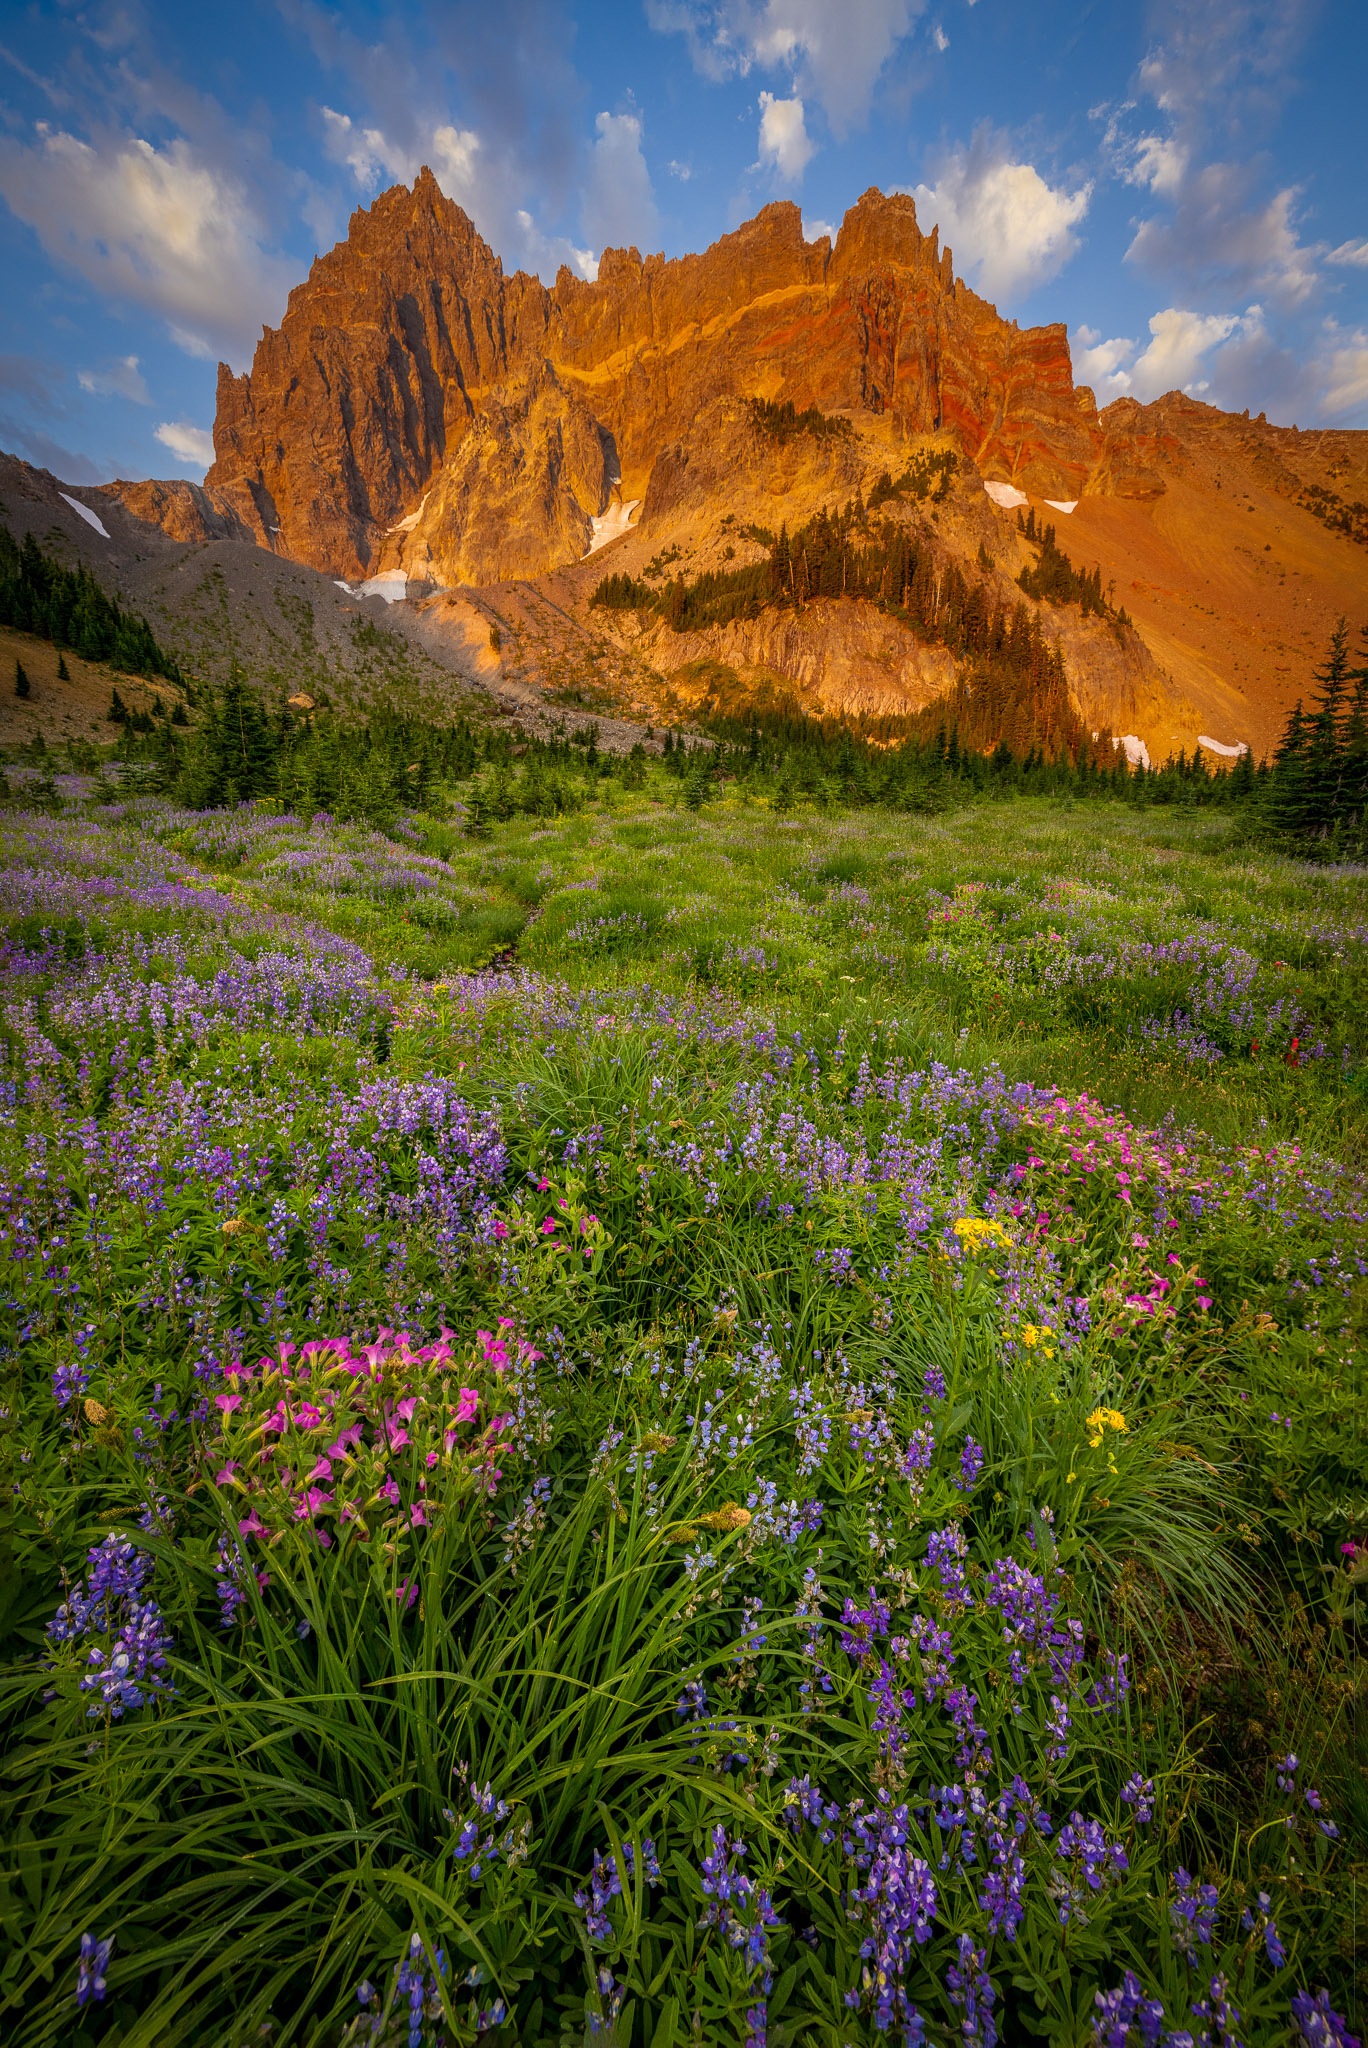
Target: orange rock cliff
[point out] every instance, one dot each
(419, 411)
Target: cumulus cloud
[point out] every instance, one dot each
(1180, 342)
(1158, 162)
(619, 206)
(1345, 386)
(1009, 229)
(813, 230)
(784, 144)
(120, 379)
(543, 255)
(193, 447)
(158, 227)
(374, 158)
(1217, 72)
(467, 173)
(835, 53)
(1101, 364)
(1230, 62)
(1220, 238)
(940, 39)
(1349, 255)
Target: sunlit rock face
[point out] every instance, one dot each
(410, 372)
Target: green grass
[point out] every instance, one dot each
(758, 1089)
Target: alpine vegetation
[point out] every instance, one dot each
(729, 1421)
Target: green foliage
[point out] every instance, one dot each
(68, 607)
(21, 681)
(929, 474)
(781, 421)
(1319, 787)
(1055, 579)
(744, 1210)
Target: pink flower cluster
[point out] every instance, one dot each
(384, 1437)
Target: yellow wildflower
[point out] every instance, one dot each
(1103, 1419)
(974, 1232)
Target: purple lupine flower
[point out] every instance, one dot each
(970, 1985)
(90, 1971)
(1126, 2007)
(231, 1572)
(1139, 1793)
(916, 1462)
(945, 1554)
(1057, 1722)
(804, 1798)
(1224, 2016)
(860, 1626)
(69, 1382)
(971, 1464)
(1273, 1947)
(1319, 2025)
(1192, 1911)
(1113, 1687)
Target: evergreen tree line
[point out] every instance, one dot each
(843, 554)
(241, 750)
(1319, 787)
(67, 606)
(930, 761)
(928, 475)
(1055, 580)
(782, 421)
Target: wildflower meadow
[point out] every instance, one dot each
(680, 1424)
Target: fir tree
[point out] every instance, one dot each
(1325, 734)
(21, 681)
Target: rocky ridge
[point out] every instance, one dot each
(419, 414)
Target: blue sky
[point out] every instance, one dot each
(1181, 183)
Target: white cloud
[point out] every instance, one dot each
(480, 182)
(619, 206)
(1101, 364)
(193, 447)
(159, 227)
(940, 39)
(1215, 233)
(834, 52)
(1157, 162)
(1009, 229)
(1179, 343)
(1351, 255)
(122, 379)
(813, 230)
(1346, 374)
(784, 143)
(544, 254)
(681, 171)
(374, 158)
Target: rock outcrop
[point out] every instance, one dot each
(410, 376)
(180, 508)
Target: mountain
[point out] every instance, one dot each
(419, 418)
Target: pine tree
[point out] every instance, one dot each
(1325, 734)
(477, 812)
(1288, 803)
(63, 672)
(21, 681)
